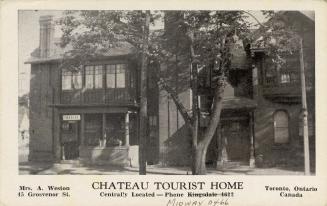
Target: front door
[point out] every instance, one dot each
(70, 140)
(235, 140)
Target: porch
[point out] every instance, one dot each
(99, 138)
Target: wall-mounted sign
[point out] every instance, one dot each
(71, 117)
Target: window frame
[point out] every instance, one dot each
(290, 70)
(275, 127)
(71, 76)
(125, 68)
(96, 71)
(129, 78)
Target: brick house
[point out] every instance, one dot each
(89, 115)
(261, 121)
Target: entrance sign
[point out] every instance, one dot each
(71, 117)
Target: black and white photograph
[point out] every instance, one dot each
(166, 92)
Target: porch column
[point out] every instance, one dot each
(127, 129)
(82, 129)
(252, 159)
(104, 136)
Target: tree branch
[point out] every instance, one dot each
(255, 19)
(187, 118)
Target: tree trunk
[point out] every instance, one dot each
(200, 160)
(195, 114)
(143, 124)
(202, 146)
(195, 133)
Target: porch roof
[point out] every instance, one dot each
(239, 103)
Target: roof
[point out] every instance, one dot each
(306, 18)
(239, 103)
(309, 14)
(57, 52)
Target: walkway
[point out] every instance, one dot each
(73, 169)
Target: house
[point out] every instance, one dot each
(261, 121)
(91, 115)
(278, 117)
(88, 115)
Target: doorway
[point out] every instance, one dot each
(235, 140)
(70, 140)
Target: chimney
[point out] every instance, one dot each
(46, 35)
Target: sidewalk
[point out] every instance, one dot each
(27, 168)
(71, 169)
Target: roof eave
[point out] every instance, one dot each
(51, 60)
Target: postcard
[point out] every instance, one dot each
(210, 104)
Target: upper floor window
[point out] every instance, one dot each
(153, 120)
(281, 133)
(71, 79)
(287, 73)
(113, 74)
(116, 74)
(94, 77)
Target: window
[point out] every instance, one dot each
(153, 120)
(287, 73)
(71, 79)
(98, 77)
(132, 79)
(115, 130)
(270, 74)
(111, 70)
(116, 74)
(93, 129)
(77, 79)
(89, 77)
(93, 77)
(285, 78)
(66, 80)
(120, 75)
(281, 127)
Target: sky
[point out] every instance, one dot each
(28, 40)
(28, 37)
